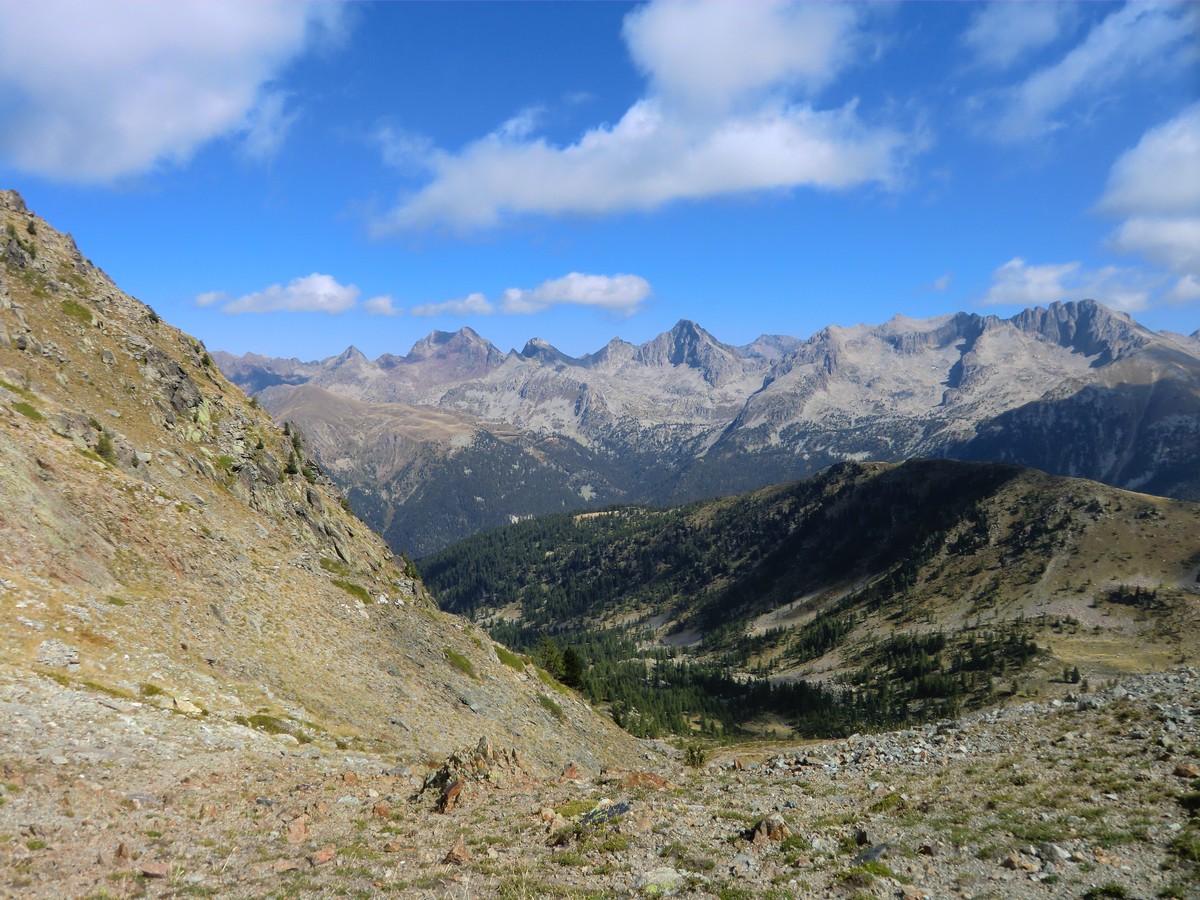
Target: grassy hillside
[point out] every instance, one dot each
(891, 591)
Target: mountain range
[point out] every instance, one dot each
(457, 436)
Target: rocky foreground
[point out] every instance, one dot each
(1084, 795)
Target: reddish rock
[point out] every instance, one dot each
(322, 857)
(772, 828)
(156, 869)
(643, 779)
(1187, 770)
(393, 847)
(450, 796)
(458, 854)
(350, 778)
(122, 851)
(571, 773)
(382, 809)
(297, 830)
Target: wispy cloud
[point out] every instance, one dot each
(1135, 41)
(383, 305)
(622, 294)
(471, 305)
(1003, 33)
(1017, 283)
(312, 293)
(729, 110)
(941, 283)
(96, 91)
(267, 126)
(618, 293)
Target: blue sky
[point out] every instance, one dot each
(293, 178)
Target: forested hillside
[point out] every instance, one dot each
(905, 591)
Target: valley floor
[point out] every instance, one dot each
(1078, 796)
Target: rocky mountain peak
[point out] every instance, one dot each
(13, 201)
(688, 345)
(545, 352)
(1086, 327)
(351, 356)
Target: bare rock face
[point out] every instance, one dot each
(1072, 388)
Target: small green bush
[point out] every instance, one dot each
(459, 662)
(77, 311)
(354, 590)
(105, 449)
(29, 411)
(510, 659)
(1186, 845)
(150, 690)
(1109, 890)
(551, 707)
(336, 566)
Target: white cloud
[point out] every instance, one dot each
(1186, 290)
(1018, 284)
(383, 305)
(471, 305)
(646, 160)
(942, 282)
(211, 297)
(619, 293)
(312, 293)
(1002, 33)
(1161, 175)
(1156, 186)
(712, 55)
(1172, 242)
(718, 120)
(1136, 40)
(95, 91)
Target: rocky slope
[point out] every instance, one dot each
(1074, 388)
(1066, 795)
(162, 541)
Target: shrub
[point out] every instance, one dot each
(28, 410)
(551, 707)
(77, 311)
(459, 662)
(510, 659)
(105, 449)
(336, 566)
(354, 590)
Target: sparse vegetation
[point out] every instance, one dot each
(28, 410)
(551, 707)
(354, 590)
(77, 311)
(105, 449)
(459, 662)
(510, 659)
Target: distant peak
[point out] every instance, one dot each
(536, 348)
(350, 354)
